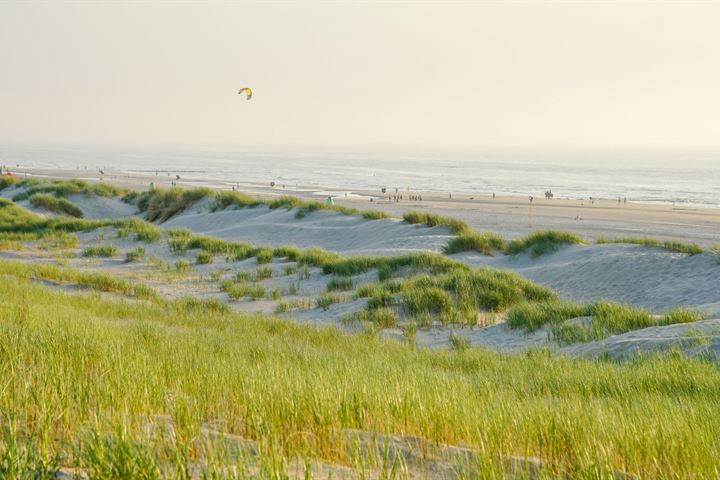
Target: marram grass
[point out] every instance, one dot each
(670, 245)
(91, 383)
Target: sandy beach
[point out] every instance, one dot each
(510, 216)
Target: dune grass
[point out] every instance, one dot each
(225, 200)
(204, 257)
(53, 204)
(457, 296)
(8, 181)
(541, 242)
(104, 251)
(65, 275)
(342, 284)
(302, 207)
(93, 384)
(458, 227)
(671, 245)
(486, 243)
(605, 318)
(135, 255)
(160, 204)
(15, 220)
(65, 188)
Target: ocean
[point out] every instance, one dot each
(681, 178)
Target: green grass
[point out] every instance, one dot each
(541, 242)
(606, 318)
(135, 255)
(144, 231)
(183, 266)
(8, 181)
(204, 257)
(65, 188)
(534, 315)
(340, 283)
(225, 200)
(263, 273)
(457, 296)
(671, 245)
(53, 204)
(302, 207)
(324, 300)
(486, 243)
(90, 383)
(458, 227)
(64, 275)
(161, 204)
(104, 251)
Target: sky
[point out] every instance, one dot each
(361, 74)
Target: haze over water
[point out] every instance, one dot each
(683, 178)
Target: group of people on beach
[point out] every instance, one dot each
(398, 198)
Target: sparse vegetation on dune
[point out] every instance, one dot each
(8, 181)
(53, 204)
(340, 283)
(135, 255)
(104, 251)
(457, 296)
(123, 374)
(486, 243)
(204, 257)
(160, 204)
(64, 275)
(542, 242)
(65, 188)
(671, 245)
(600, 319)
(17, 220)
(225, 200)
(458, 227)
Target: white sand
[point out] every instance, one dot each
(649, 277)
(346, 234)
(102, 207)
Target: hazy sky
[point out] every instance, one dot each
(525, 74)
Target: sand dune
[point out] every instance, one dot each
(346, 234)
(649, 277)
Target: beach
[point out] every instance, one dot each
(510, 216)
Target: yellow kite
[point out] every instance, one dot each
(247, 91)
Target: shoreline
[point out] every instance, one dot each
(508, 215)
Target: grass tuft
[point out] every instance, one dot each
(671, 245)
(542, 242)
(61, 206)
(485, 243)
(103, 251)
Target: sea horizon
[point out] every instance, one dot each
(683, 178)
